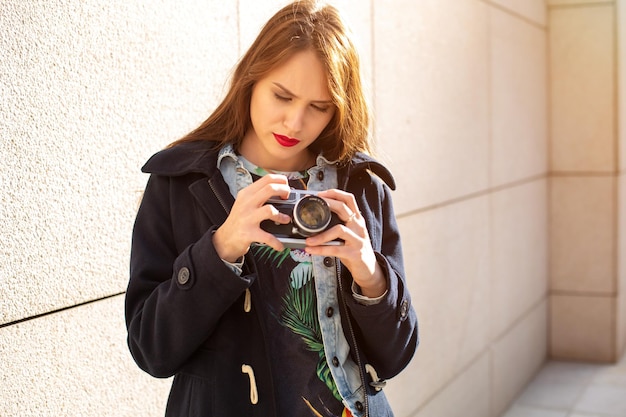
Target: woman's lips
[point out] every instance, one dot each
(286, 140)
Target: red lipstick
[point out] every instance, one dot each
(286, 140)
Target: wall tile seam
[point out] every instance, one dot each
(552, 7)
(491, 371)
(515, 14)
(522, 316)
(614, 234)
(489, 48)
(473, 195)
(573, 293)
(616, 88)
(496, 340)
(548, 92)
(615, 353)
(581, 174)
(615, 247)
(59, 310)
(448, 382)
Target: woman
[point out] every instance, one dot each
(252, 322)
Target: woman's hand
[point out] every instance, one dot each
(356, 253)
(233, 238)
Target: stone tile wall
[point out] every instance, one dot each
(464, 119)
(586, 318)
(467, 115)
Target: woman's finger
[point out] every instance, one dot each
(268, 186)
(337, 232)
(343, 204)
(270, 213)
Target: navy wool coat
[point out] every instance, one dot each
(184, 306)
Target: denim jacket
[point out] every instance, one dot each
(189, 314)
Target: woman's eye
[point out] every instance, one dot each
(320, 109)
(281, 98)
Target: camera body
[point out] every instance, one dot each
(309, 214)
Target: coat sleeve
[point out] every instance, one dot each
(173, 300)
(388, 331)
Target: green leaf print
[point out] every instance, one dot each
(300, 316)
(271, 254)
(301, 275)
(300, 307)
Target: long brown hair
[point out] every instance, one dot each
(301, 25)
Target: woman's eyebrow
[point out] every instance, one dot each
(286, 90)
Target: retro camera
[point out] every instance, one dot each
(309, 214)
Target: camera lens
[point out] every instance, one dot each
(311, 215)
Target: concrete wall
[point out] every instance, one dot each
(91, 89)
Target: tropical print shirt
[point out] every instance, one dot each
(304, 383)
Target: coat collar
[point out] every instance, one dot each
(201, 157)
(192, 157)
(363, 162)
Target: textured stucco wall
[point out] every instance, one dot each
(90, 89)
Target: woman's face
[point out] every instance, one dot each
(289, 109)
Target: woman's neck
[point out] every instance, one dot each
(301, 162)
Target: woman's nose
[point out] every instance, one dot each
(294, 119)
